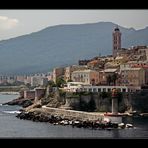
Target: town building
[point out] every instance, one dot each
(103, 74)
(38, 81)
(116, 41)
(86, 76)
(58, 73)
(96, 64)
(20, 78)
(70, 69)
(132, 76)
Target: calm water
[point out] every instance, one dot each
(11, 127)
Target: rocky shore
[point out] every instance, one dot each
(39, 116)
(24, 102)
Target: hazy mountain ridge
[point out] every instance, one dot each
(63, 45)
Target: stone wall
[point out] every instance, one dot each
(127, 102)
(39, 93)
(100, 104)
(29, 94)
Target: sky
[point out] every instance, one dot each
(14, 23)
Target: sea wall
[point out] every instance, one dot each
(127, 101)
(29, 94)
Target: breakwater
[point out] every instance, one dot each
(72, 114)
(69, 117)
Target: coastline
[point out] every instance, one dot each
(9, 93)
(79, 119)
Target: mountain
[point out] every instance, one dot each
(63, 45)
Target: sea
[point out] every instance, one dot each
(12, 127)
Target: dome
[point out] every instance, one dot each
(116, 29)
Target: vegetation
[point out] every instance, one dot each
(111, 79)
(52, 84)
(60, 82)
(105, 95)
(62, 93)
(69, 80)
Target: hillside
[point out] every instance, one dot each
(62, 45)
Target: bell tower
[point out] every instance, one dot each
(116, 41)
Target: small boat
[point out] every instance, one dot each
(129, 126)
(121, 125)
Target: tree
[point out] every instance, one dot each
(69, 80)
(51, 83)
(109, 79)
(60, 82)
(114, 78)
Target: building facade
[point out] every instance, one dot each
(86, 76)
(70, 69)
(132, 76)
(57, 73)
(116, 41)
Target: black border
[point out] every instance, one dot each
(74, 4)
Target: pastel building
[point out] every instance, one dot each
(70, 69)
(57, 73)
(132, 76)
(143, 65)
(86, 76)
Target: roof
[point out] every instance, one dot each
(82, 71)
(119, 57)
(77, 83)
(93, 62)
(132, 69)
(110, 70)
(116, 29)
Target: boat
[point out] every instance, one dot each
(128, 125)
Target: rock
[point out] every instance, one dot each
(26, 103)
(20, 101)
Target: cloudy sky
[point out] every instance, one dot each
(19, 22)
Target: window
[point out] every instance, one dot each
(90, 90)
(99, 89)
(123, 90)
(119, 89)
(94, 90)
(85, 89)
(104, 89)
(109, 89)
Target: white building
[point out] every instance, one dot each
(79, 87)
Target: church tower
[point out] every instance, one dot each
(116, 41)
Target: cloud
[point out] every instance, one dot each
(7, 23)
